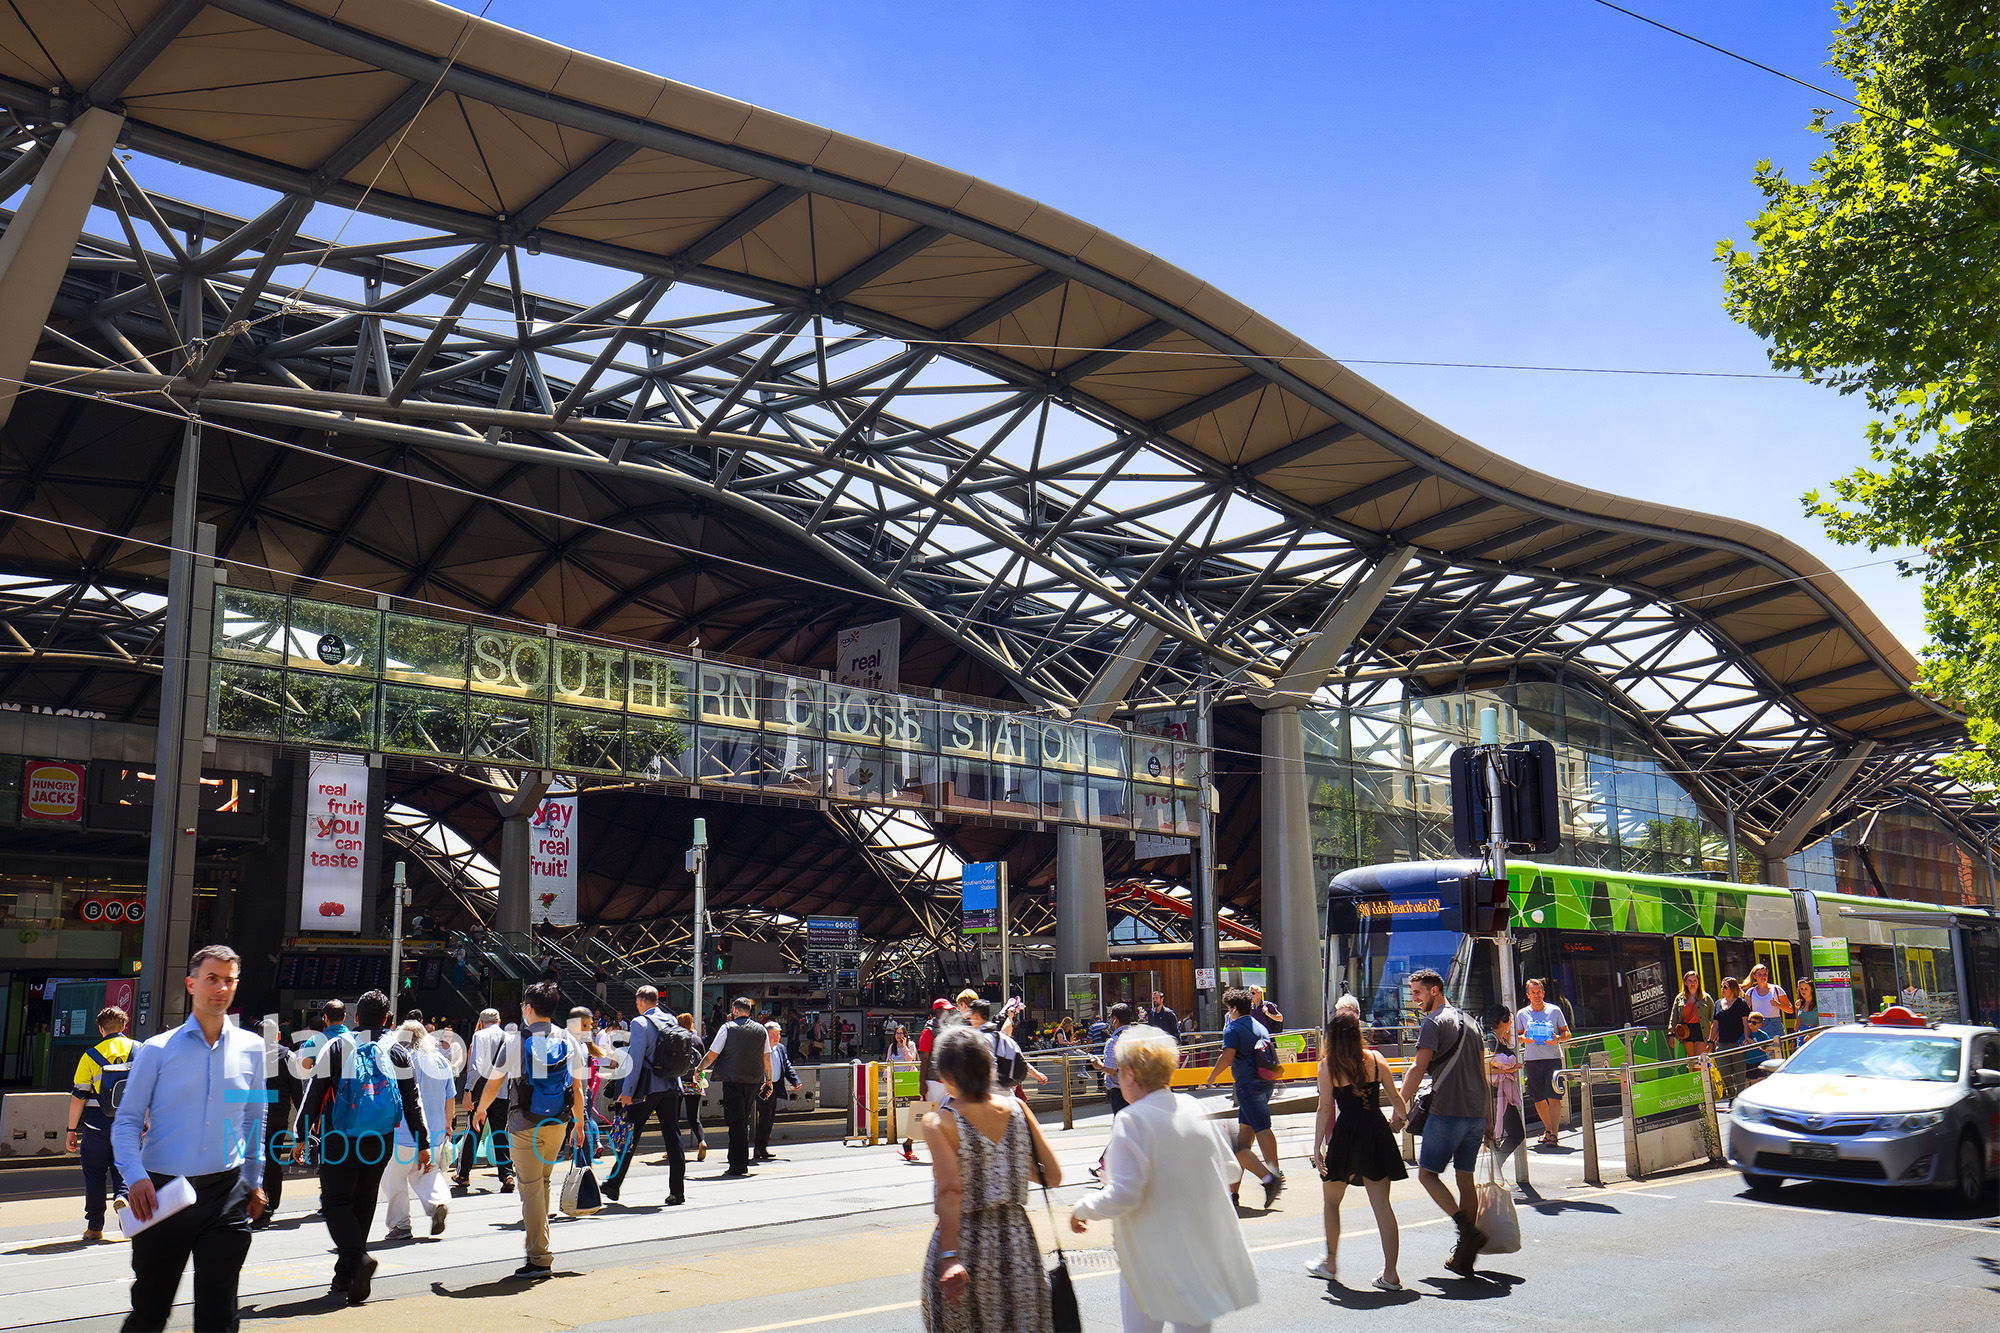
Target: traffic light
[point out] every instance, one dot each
(1483, 905)
(1529, 809)
(408, 980)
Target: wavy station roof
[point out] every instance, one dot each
(531, 334)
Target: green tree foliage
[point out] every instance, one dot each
(1879, 276)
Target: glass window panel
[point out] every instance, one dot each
(1109, 754)
(1152, 807)
(583, 738)
(909, 776)
(421, 721)
(589, 676)
(655, 748)
(333, 710)
(246, 701)
(854, 772)
(789, 703)
(506, 731)
(1065, 796)
(327, 636)
(855, 716)
(725, 696)
(797, 763)
(511, 665)
(727, 757)
(1152, 759)
(1017, 791)
(423, 651)
(249, 626)
(1110, 802)
(964, 732)
(1064, 746)
(964, 783)
(657, 685)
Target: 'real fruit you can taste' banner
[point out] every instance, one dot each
(336, 824)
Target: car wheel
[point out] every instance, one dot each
(1970, 1183)
(1762, 1184)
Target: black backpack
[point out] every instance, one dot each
(674, 1054)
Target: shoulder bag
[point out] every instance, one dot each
(1420, 1105)
(1065, 1316)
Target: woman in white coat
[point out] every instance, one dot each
(1165, 1188)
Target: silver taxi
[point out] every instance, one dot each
(1893, 1101)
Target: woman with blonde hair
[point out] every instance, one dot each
(432, 1070)
(1360, 1148)
(1165, 1187)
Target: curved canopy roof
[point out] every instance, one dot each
(818, 378)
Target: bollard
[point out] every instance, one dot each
(1625, 1086)
(1593, 1171)
(1713, 1126)
(1069, 1099)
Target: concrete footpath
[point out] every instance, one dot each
(833, 1237)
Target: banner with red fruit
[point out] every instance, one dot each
(336, 824)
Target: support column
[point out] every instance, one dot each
(513, 913)
(36, 249)
(183, 723)
(1083, 931)
(1291, 904)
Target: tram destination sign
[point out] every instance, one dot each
(336, 677)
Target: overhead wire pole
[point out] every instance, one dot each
(1205, 941)
(698, 862)
(1496, 853)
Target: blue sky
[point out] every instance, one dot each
(1441, 182)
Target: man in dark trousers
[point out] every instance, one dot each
(360, 1087)
(194, 1107)
(782, 1076)
(647, 1094)
(281, 1146)
(91, 1104)
(743, 1049)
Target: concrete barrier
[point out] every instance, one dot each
(32, 1124)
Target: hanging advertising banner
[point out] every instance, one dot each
(336, 825)
(870, 656)
(552, 860)
(52, 791)
(1833, 981)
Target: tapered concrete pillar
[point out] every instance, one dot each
(36, 249)
(1291, 902)
(513, 913)
(1083, 932)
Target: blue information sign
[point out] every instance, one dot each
(979, 888)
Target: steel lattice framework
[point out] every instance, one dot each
(685, 372)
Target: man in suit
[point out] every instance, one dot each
(782, 1076)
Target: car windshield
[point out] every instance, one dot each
(1868, 1055)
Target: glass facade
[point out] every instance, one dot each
(1903, 852)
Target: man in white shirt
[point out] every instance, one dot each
(482, 1062)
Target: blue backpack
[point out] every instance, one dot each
(366, 1100)
(545, 1077)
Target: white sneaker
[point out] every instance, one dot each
(1320, 1269)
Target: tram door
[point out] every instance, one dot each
(1926, 974)
(1778, 957)
(1696, 953)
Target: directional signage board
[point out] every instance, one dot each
(833, 934)
(980, 891)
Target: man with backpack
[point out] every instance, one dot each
(547, 1097)
(743, 1048)
(662, 1053)
(361, 1088)
(93, 1100)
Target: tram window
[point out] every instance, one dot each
(1589, 973)
(1650, 980)
(1737, 958)
(1878, 978)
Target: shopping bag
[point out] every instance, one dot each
(1497, 1219)
(580, 1196)
(434, 1187)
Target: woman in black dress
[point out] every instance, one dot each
(1361, 1148)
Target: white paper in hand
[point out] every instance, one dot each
(171, 1197)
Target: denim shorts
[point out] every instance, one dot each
(1451, 1138)
(1253, 1105)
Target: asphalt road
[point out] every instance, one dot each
(831, 1239)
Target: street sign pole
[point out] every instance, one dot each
(401, 890)
(1006, 977)
(698, 862)
(1496, 848)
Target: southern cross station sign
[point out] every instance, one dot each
(332, 676)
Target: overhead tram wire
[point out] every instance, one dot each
(1812, 87)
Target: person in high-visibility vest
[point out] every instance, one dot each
(93, 1102)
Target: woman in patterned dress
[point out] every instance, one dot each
(983, 1272)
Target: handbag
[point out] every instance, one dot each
(1064, 1314)
(580, 1196)
(1497, 1219)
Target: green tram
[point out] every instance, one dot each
(1613, 946)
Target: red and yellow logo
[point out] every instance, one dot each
(52, 791)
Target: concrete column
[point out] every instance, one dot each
(513, 913)
(1291, 905)
(1083, 931)
(1775, 872)
(36, 249)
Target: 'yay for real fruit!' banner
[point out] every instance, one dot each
(552, 860)
(336, 825)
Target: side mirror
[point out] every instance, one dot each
(1986, 1078)
(1772, 1066)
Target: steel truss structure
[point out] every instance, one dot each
(690, 373)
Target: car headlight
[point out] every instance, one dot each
(1921, 1120)
(1750, 1113)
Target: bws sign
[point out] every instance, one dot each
(52, 791)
